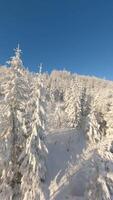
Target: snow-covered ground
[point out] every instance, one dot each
(64, 146)
(70, 163)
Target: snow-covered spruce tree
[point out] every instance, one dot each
(92, 128)
(33, 167)
(59, 116)
(96, 124)
(84, 103)
(72, 104)
(100, 185)
(108, 115)
(16, 95)
(18, 140)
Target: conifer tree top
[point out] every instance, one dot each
(18, 51)
(16, 61)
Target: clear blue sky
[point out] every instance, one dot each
(72, 34)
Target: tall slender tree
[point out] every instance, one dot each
(24, 169)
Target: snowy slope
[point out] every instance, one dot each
(71, 163)
(64, 146)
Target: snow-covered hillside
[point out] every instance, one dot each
(56, 135)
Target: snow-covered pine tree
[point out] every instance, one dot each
(96, 125)
(34, 159)
(16, 95)
(23, 145)
(84, 105)
(100, 185)
(72, 104)
(108, 116)
(16, 63)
